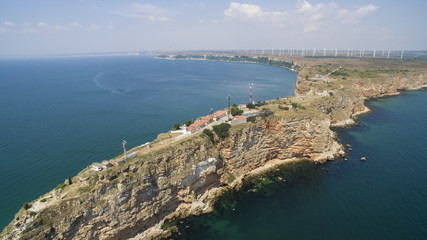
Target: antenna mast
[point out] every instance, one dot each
(124, 149)
(229, 111)
(250, 92)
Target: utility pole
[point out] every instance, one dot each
(250, 92)
(229, 111)
(124, 149)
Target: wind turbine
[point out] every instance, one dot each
(388, 55)
(374, 53)
(314, 52)
(401, 55)
(336, 52)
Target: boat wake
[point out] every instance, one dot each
(97, 81)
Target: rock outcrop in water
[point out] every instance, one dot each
(185, 177)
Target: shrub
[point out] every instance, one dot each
(69, 181)
(26, 205)
(331, 94)
(295, 105)
(60, 186)
(234, 105)
(235, 111)
(251, 119)
(187, 123)
(175, 126)
(208, 133)
(31, 213)
(222, 130)
(43, 200)
(250, 106)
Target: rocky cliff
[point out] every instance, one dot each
(181, 179)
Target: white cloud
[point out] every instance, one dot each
(93, 27)
(365, 10)
(29, 30)
(306, 16)
(145, 11)
(245, 12)
(42, 25)
(75, 25)
(9, 24)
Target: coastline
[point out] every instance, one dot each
(204, 203)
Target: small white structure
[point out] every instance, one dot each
(96, 167)
(132, 155)
(185, 130)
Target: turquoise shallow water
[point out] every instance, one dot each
(382, 198)
(59, 115)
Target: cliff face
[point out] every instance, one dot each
(346, 98)
(133, 200)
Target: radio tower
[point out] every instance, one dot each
(124, 149)
(229, 111)
(250, 92)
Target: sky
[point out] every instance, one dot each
(84, 26)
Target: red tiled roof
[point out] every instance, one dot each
(218, 113)
(198, 123)
(208, 117)
(284, 105)
(240, 117)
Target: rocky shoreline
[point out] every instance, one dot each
(185, 178)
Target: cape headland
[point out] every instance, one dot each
(179, 177)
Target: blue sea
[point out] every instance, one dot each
(384, 197)
(58, 115)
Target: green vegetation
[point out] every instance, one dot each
(31, 213)
(118, 154)
(26, 205)
(175, 126)
(251, 119)
(236, 111)
(259, 103)
(208, 133)
(69, 180)
(234, 105)
(60, 186)
(43, 200)
(250, 106)
(222, 130)
(230, 177)
(188, 122)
